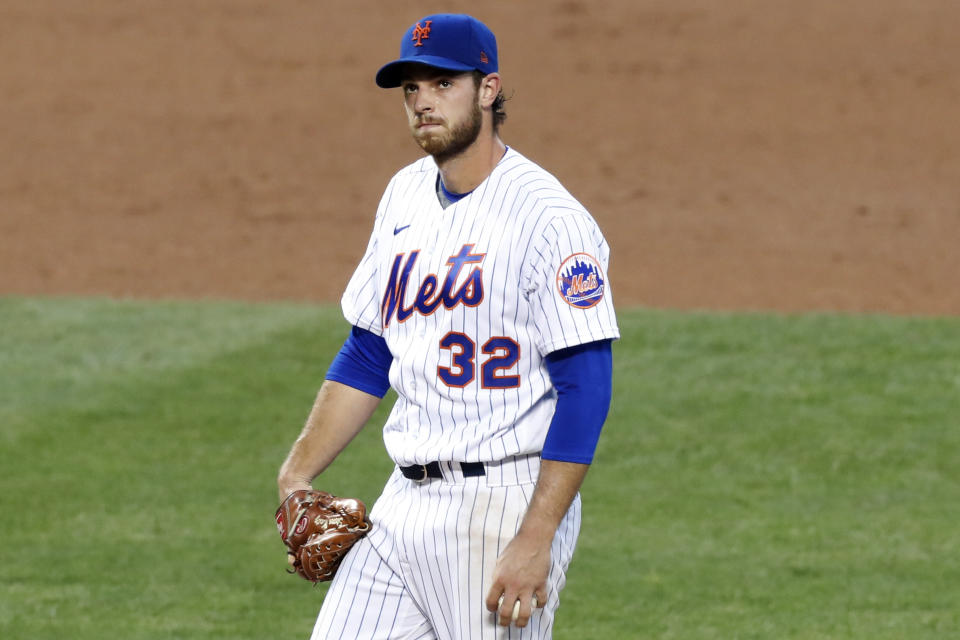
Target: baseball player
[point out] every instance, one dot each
(483, 299)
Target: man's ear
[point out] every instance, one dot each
(489, 89)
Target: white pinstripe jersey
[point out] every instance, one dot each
(470, 299)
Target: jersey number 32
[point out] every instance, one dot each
(501, 355)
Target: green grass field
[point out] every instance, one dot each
(760, 476)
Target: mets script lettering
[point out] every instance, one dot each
(429, 297)
(580, 285)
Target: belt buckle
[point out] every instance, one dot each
(422, 478)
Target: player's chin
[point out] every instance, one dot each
(432, 144)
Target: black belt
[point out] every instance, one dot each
(421, 472)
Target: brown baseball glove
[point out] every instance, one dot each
(319, 529)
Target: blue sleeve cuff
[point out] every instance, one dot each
(363, 363)
(583, 378)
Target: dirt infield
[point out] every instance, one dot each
(743, 154)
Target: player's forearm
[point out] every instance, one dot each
(337, 416)
(556, 488)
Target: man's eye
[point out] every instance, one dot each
(445, 83)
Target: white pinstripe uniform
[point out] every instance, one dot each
(469, 299)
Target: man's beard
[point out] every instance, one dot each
(444, 147)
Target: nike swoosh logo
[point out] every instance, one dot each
(397, 230)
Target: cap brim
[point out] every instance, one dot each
(389, 75)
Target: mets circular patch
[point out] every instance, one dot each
(580, 281)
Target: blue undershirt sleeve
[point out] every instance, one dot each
(363, 363)
(583, 378)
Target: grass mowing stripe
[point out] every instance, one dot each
(759, 476)
(54, 351)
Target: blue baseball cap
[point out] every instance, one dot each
(447, 41)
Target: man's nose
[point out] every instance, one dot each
(424, 102)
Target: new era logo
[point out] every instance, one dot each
(421, 33)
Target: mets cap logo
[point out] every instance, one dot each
(580, 281)
(421, 33)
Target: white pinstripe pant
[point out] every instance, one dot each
(424, 570)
